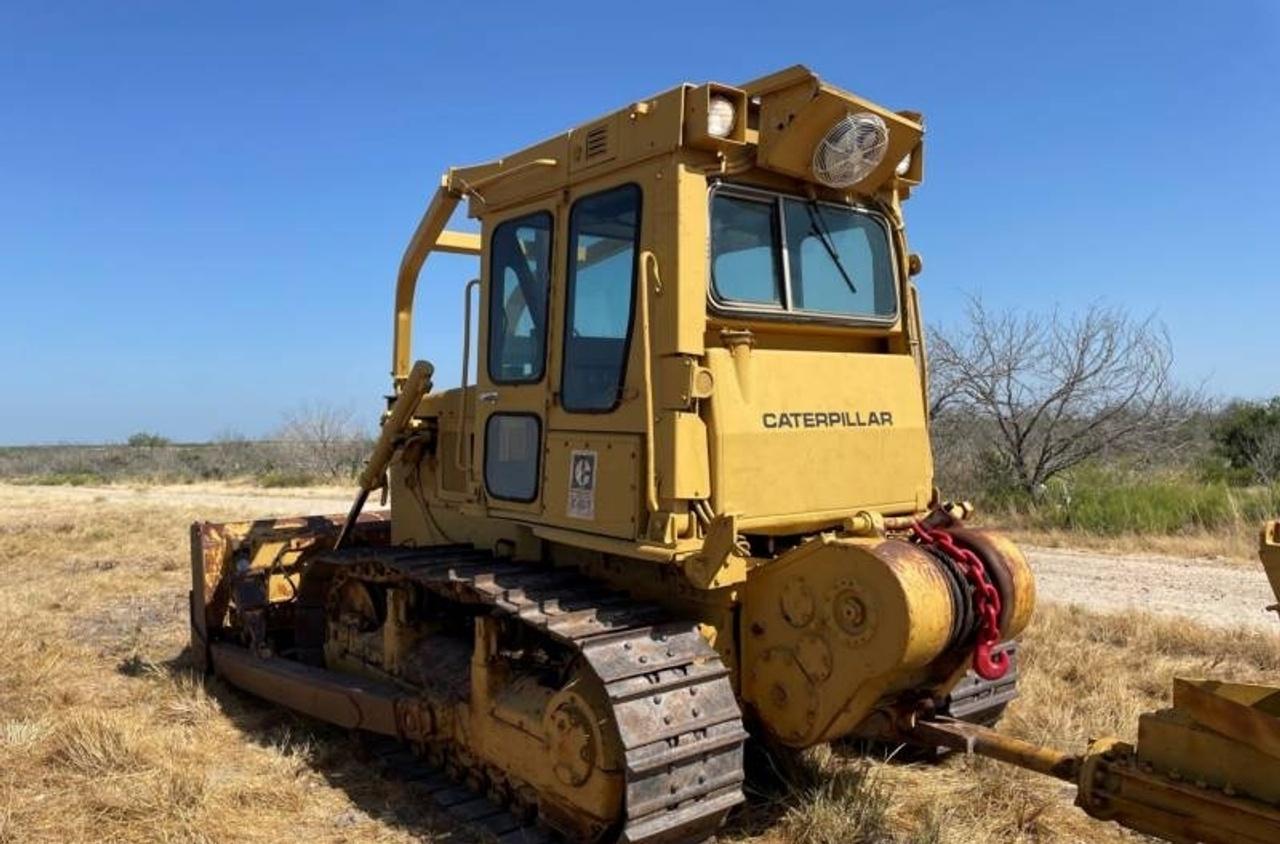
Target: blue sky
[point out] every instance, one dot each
(202, 207)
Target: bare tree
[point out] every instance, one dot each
(325, 439)
(1265, 461)
(232, 453)
(1055, 390)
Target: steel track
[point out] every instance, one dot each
(673, 704)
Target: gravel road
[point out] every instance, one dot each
(1209, 591)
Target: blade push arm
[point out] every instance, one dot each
(415, 386)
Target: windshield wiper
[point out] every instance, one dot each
(824, 235)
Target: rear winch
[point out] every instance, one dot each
(841, 626)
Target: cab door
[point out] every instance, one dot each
(595, 451)
(512, 381)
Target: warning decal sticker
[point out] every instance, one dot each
(582, 485)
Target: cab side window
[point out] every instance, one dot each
(519, 278)
(604, 230)
(512, 446)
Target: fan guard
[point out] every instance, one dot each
(851, 150)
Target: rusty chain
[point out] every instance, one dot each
(988, 663)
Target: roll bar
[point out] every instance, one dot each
(430, 236)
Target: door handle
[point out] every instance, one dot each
(489, 397)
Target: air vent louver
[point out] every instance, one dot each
(596, 142)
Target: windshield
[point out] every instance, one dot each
(838, 261)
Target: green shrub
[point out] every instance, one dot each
(1213, 468)
(1247, 437)
(143, 439)
(277, 478)
(1109, 502)
(246, 460)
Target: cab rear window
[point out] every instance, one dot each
(783, 254)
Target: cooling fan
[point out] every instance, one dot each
(850, 150)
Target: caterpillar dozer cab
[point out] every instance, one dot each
(686, 492)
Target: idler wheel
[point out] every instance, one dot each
(573, 742)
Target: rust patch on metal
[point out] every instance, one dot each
(216, 548)
(1249, 714)
(1269, 552)
(341, 699)
(974, 738)
(898, 554)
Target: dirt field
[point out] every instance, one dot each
(244, 501)
(106, 735)
(1214, 591)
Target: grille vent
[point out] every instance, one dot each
(597, 143)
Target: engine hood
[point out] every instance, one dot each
(801, 438)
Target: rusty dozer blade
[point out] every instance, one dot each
(1248, 714)
(1205, 770)
(1270, 554)
(267, 552)
(262, 559)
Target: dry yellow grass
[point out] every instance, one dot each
(1236, 544)
(105, 735)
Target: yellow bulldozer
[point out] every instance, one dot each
(686, 495)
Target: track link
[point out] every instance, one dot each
(479, 813)
(673, 704)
